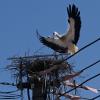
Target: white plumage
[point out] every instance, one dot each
(66, 43)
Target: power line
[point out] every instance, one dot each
(94, 97)
(78, 51)
(81, 84)
(86, 46)
(55, 67)
(90, 65)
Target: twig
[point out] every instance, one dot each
(35, 56)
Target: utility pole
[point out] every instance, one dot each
(48, 77)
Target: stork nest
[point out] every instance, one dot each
(44, 72)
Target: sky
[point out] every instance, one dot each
(19, 20)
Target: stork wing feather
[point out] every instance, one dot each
(54, 44)
(74, 18)
(62, 43)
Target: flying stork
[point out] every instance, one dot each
(66, 43)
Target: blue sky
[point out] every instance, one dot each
(20, 18)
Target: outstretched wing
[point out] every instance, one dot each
(61, 44)
(74, 22)
(54, 44)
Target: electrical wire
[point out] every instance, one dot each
(94, 97)
(78, 51)
(81, 84)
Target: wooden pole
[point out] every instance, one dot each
(38, 91)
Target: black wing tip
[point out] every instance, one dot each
(43, 40)
(73, 5)
(73, 11)
(37, 33)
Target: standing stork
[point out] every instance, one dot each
(66, 43)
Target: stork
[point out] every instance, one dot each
(66, 43)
